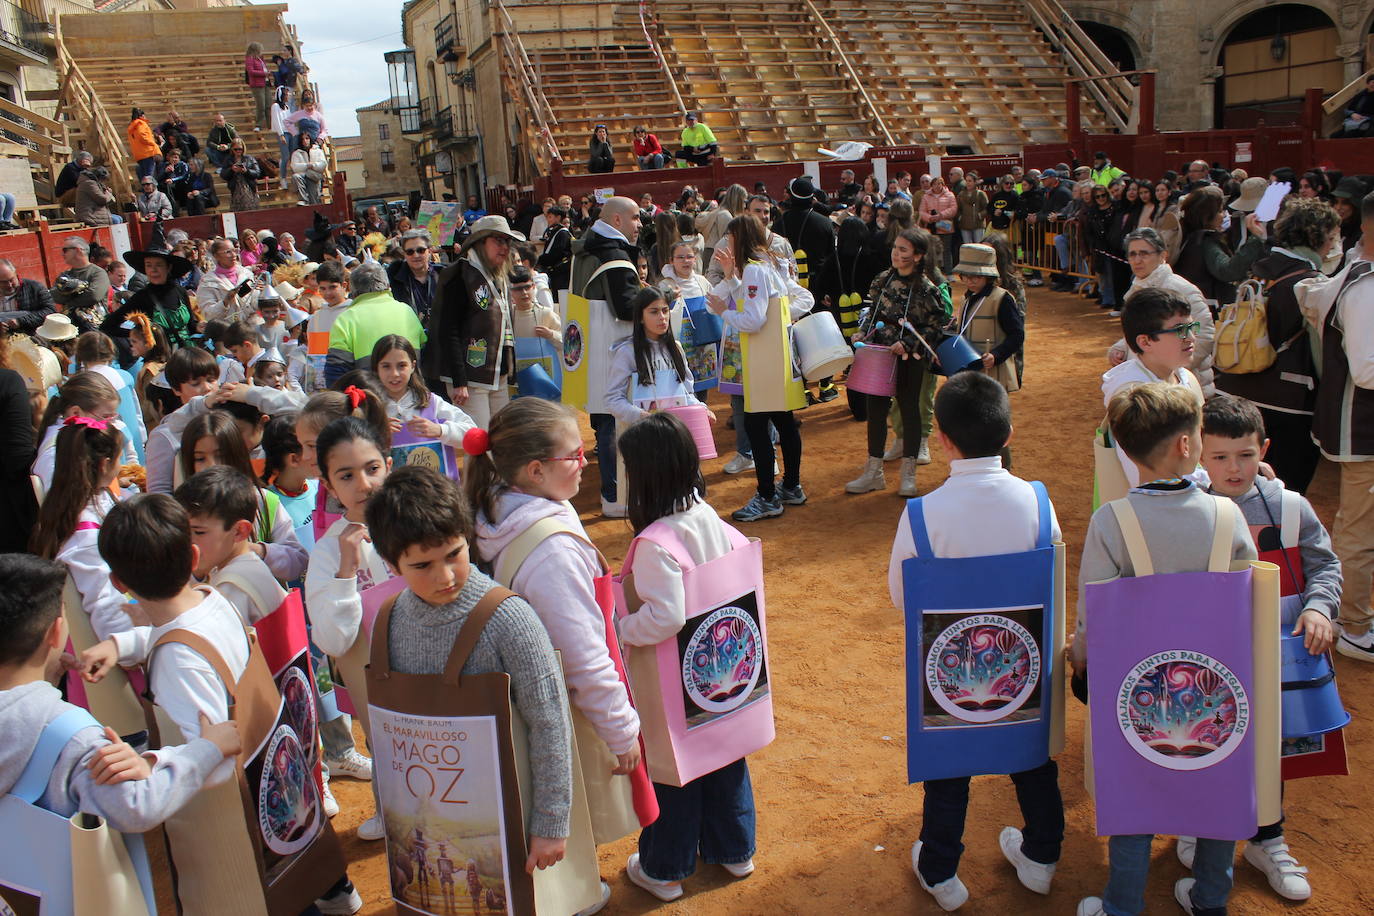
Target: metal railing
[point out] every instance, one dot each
(443, 123)
(1056, 246)
(21, 28)
(446, 36)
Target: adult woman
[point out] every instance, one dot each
(666, 235)
(471, 321)
(771, 394)
(307, 167)
(94, 197)
(1151, 206)
(973, 207)
(648, 151)
(713, 222)
(255, 73)
(585, 214)
(1097, 226)
(1204, 257)
(241, 174)
(937, 210)
(871, 189)
(1286, 392)
(250, 252)
(219, 296)
(163, 300)
(1122, 222)
(600, 156)
(902, 298)
(1313, 184)
(143, 145)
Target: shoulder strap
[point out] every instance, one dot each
(33, 782)
(1045, 532)
(87, 526)
(1290, 518)
(472, 631)
(244, 584)
(619, 263)
(519, 550)
(1220, 560)
(268, 520)
(1136, 548)
(380, 654)
(201, 645)
(916, 518)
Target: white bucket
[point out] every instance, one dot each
(820, 346)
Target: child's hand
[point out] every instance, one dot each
(711, 416)
(59, 665)
(117, 762)
(350, 549)
(218, 396)
(224, 735)
(899, 348)
(394, 424)
(541, 331)
(627, 762)
(1317, 629)
(716, 304)
(421, 426)
(137, 615)
(1267, 471)
(97, 661)
(545, 852)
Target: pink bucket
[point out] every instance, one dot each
(694, 417)
(874, 372)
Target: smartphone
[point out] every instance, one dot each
(244, 288)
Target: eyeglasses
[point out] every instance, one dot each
(579, 456)
(1149, 253)
(416, 250)
(1182, 331)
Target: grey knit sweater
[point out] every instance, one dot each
(515, 642)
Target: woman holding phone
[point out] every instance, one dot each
(227, 292)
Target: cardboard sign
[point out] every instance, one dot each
(1268, 207)
(602, 195)
(440, 218)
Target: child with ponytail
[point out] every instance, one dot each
(364, 402)
(415, 413)
(96, 352)
(85, 394)
(87, 463)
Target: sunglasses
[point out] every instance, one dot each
(416, 250)
(1182, 331)
(580, 455)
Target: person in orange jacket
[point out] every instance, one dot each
(143, 145)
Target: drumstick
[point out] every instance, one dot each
(907, 324)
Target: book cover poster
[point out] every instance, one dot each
(723, 663)
(982, 667)
(439, 784)
(17, 901)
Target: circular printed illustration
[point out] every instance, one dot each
(300, 704)
(288, 804)
(723, 660)
(572, 345)
(1183, 710)
(982, 668)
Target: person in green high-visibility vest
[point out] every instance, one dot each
(699, 146)
(1103, 172)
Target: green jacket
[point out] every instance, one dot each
(371, 317)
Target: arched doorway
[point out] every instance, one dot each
(1112, 42)
(1270, 59)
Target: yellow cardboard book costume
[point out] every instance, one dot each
(772, 375)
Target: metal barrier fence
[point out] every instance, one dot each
(1057, 246)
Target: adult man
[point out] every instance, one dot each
(373, 222)
(65, 189)
(374, 314)
(23, 303)
(956, 179)
(699, 146)
(849, 188)
(1342, 307)
(1359, 114)
(227, 292)
(474, 210)
(1055, 198)
(610, 238)
(1198, 174)
(903, 189)
(808, 231)
(347, 239)
(414, 279)
(1103, 172)
(217, 143)
(83, 287)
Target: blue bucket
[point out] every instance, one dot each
(1311, 703)
(533, 381)
(956, 354)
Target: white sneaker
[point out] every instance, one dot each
(1286, 876)
(1183, 893)
(374, 828)
(663, 890)
(895, 450)
(1034, 875)
(923, 455)
(950, 893)
(740, 869)
(344, 903)
(331, 804)
(1358, 647)
(739, 464)
(613, 510)
(1090, 906)
(1186, 849)
(352, 764)
(599, 905)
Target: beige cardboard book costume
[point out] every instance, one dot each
(113, 700)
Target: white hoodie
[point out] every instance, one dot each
(556, 579)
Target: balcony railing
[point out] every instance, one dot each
(443, 124)
(446, 37)
(22, 29)
(410, 118)
(426, 114)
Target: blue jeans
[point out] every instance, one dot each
(1129, 858)
(603, 425)
(7, 205)
(285, 144)
(116, 219)
(741, 436)
(1105, 283)
(712, 815)
(337, 737)
(150, 165)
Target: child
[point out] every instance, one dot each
(95, 352)
(713, 813)
(96, 773)
(1159, 426)
(530, 316)
(410, 406)
(319, 411)
(191, 373)
(270, 371)
(221, 504)
(1233, 444)
(981, 510)
(422, 526)
(333, 289)
(649, 370)
(272, 332)
(242, 342)
(69, 519)
(84, 394)
(1160, 331)
(148, 343)
(990, 318)
(353, 458)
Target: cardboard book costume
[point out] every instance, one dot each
(411, 448)
(772, 373)
(114, 699)
(984, 639)
(590, 330)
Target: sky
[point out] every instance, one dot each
(343, 42)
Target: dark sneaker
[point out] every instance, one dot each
(792, 496)
(829, 393)
(758, 508)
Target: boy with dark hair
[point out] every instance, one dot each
(981, 510)
(242, 341)
(1159, 426)
(191, 372)
(222, 506)
(422, 525)
(1288, 533)
(95, 773)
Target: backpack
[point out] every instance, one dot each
(1242, 344)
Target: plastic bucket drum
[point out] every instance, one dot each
(820, 346)
(1311, 703)
(534, 381)
(874, 372)
(693, 416)
(956, 354)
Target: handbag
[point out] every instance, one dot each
(944, 226)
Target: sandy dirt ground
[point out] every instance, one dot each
(836, 818)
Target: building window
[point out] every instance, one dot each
(383, 131)
(388, 161)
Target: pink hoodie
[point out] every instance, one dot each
(938, 206)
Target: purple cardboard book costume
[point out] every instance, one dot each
(984, 639)
(1182, 692)
(408, 448)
